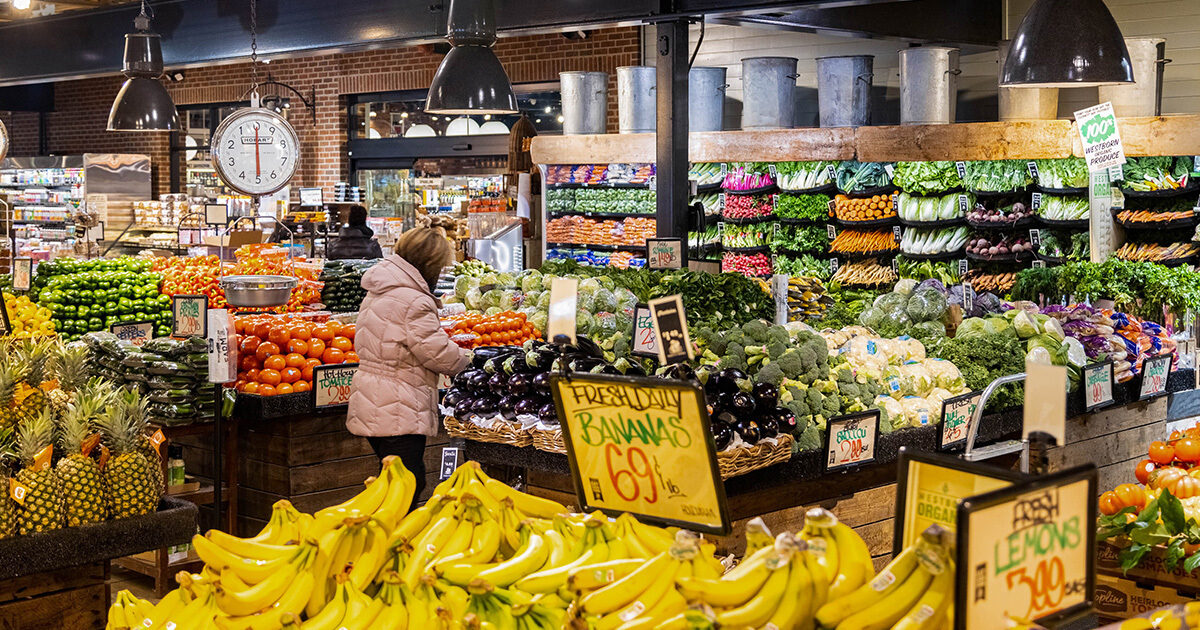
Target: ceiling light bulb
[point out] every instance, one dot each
(20, 5)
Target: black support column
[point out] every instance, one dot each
(671, 46)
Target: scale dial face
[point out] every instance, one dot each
(255, 151)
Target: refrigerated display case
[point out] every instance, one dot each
(387, 192)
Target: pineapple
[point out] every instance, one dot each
(69, 369)
(84, 489)
(133, 481)
(43, 507)
(35, 355)
(8, 507)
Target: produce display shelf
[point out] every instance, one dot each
(1005, 258)
(882, 253)
(43, 222)
(873, 223)
(1171, 262)
(934, 224)
(871, 192)
(1057, 260)
(991, 194)
(958, 253)
(708, 188)
(1063, 192)
(819, 190)
(790, 221)
(1025, 221)
(746, 250)
(600, 215)
(706, 246)
(1160, 194)
(599, 248)
(761, 190)
(749, 221)
(1151, 225)
(570, 185)
(796, 252)
(1075, 224)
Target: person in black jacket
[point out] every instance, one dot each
(356, 240)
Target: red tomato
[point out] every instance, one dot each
(296, 360)
(290, 375)
(342, 343)
(266, 390)
(284, 388)
(1161, 452)
(1143, 469)
(351, 357)
(269, 377)
(297, 346)
(248, 362)
(265, 350)
(275, 362)
(316, 348)
(280, 336)
(348, 331)
(1188, 450)
(332, 356)
(301, 386)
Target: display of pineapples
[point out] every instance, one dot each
(133, 476)
(83, 486)
(42, 509)
(8, 507)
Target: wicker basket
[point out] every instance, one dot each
(549, 441)
(740, 461)
(502, 433)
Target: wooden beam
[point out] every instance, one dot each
(1155, 135)
(965, 141)
(778, 145)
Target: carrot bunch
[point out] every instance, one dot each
(862, 242)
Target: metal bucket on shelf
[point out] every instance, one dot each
(1025, 103)
(636, 99)
(844, 90)
(706, 98)
(768, 92)
(584, 102)
(1143, 97)
(928, 85)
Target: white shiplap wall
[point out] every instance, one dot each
(1178, 21)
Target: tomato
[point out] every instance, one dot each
(1188, 450)
(1143, 469)
(1131, 494)
(306, 372)
(342, 343)
(1175, 435)
(248, 362)
(312, 363)
(262, 330)
(252, 375)
(324, 333)
(239, 384)
(332, 356)
(1109, 504)
(301, 386)
(1161, 452)
(251, 388)
(284, 388)
(297, 346)
(316, 348)
(269, 376)
(335, 326)
(351, 357)
(275, 362)
(301, 332)
(249, 345)
(265, 350)
(266, 390)
(290, 375)
(296, 360)
(348, 331)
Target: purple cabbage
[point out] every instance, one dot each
(934, 283)
(1094, 345)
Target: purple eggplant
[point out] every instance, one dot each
(465, 409)
(528, 406)
(749, 431)
(548, 414)
(462, 380)
(479, 381)
(722, 434)
(508, 406)
(541, 383)
(452, 397)
(766, 396)
(486, 406)
(519, 384)
(785, 420)
(767, 427)
(741, 404)
(498, 383)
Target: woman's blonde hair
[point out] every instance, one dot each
(426, 249)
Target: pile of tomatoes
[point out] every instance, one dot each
(200, 275)
(277, 353)
(193, 275)
(1173, 465)
(507, 328)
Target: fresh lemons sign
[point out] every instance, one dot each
(642, 446)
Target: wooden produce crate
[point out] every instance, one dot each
(1119, 598)
(72, 597)
(1151, 571)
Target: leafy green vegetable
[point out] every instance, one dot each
(806, 265)
(801, 238)
(984, 357)
(1141, 288)
(925, 178)
(1062, 173)
(997, 175)
(855, 176)
(806, 207)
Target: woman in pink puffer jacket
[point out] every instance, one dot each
(401, 350)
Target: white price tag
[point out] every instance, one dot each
(1098, 385)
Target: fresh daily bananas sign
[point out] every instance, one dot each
(642, 446)
(1027, 551)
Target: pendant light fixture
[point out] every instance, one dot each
(471, 79)
(1067, 43)
(143, 104)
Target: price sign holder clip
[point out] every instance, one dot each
(999, 449)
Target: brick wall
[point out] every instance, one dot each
(78, 124)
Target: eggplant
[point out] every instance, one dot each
(452, 397)
(722, 434)
(539, 360)
(508, 407)
(741, 404)
(541, 383)
(733, 375)
(464, 410)
(462, 380)
(486, 406)
(483, 354)
(498, 383)
(589, 347)
(516, 364)
(548, 414)
(749, 431)
(604, 368)
(479, 381)
(527, 406)
(496, 363)
(586, 364)
(766, 396)
(635, 369)
(767, 427)
(723, 402)
(519, 383)
(785, 420)
(678, 371)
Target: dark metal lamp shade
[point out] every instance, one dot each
(471, 81)
(1067, 43)
(143, 104)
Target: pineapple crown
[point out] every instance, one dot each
(11, 375)
(73, 428)
(70, 366)
(33, 435)
(34, 355)
(125, 425)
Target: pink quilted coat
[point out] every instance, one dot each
(401, 350)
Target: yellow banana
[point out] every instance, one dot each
(854, 561)
(645, 601)
(214, 556)
(331, 615)
(531, 557)
(888, 580)
(526, 503)
(393, 617)
(364, 619)
(759, 609)
(247, 549)
(170, 604)
(399, 496)
(322, 572)
(757, 535)
(416, 521)
(257, 597)
(458, 542)
(654, 539)
(593, 576)
(549, 580)
(886, 612)
(462, 573)
(368, 563)
(820, 581)
(252, 572)
(475, 488)
(425, 547)
(366, 501)
(626, 589)
(728, 591)
(932, 605)
(795, 607)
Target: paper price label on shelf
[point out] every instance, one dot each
(22, 274)
(963, 266)
(833, 265)
(1036, 200)
(652, 182)
(962, 203)
(333, 385)
(890, 169)
(832, 205)
(189, 316)
(779, 290)
(1154, 376)
(136, 333)
(774, 202)
(664, 253)
(896, 202)
(1097, 385)
(771, 170)
(850, 440)
(1009, 570)
(724, 169)
(450, 459)
(1033, 169)
(222, 347)
(1038, 264)
(774, 230)
(896, 232)
(1102, 147)
(895, 265)
(645, 343)
(1116, 173)
(721, 201)
(830, 231)
(956, 420)
(670, 329)
(831, 172)
(1035, 237)
(961, 167)
(968, 298)
(642, 446)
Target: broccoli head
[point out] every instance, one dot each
(778, 334)
(736, 336)
(809, 438)
(791, 364)
(770, 373)
(814, 399)
(831, 405)
(843, 373)
(734, 357)
(755, 331)
(801, 409)
(776, 348)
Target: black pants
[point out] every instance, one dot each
(410, 449)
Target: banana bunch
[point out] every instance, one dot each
(127, 611)
(914, 591)
(841, 553)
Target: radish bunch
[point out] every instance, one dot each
(750, 265)
(747, 206)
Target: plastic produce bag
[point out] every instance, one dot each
(926, 304)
